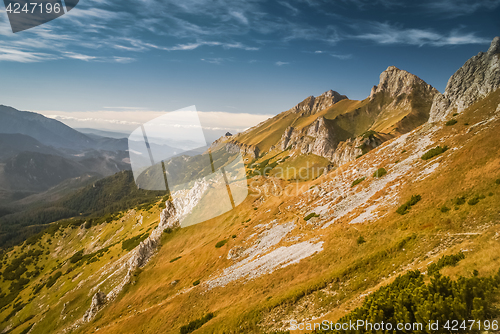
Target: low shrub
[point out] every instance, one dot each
(474, 200)
(175, 259)
(194, 325)
(459, 200)
(360, 240)
(380, 172)
(358, 181)
(444, 209)
(410, 296)
(195, 283)
(403, 209)
(434, 152)
(445, 261)
(133, 242)
(76, 257)
(53, 279)
(221, 243)
(451, 122)
(311, 215)
(27, 329)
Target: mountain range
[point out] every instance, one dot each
(401, 224)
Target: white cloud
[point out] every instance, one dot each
(240, 17)
(217, 61)
(128, 120)
(79, 56)
(16, 55)
(384, 33)
(342, 57)
(281, 63)
(192, 46)
(287, 4)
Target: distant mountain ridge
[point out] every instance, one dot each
(45, 130)
(51, 132)
(13, 144)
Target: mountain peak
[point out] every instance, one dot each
(395, 81)
(313, 104)
(479, 76)
(495, 45)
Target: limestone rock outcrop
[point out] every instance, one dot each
(98, 301)
(397, 82)
(478, 77)
(313, 104)
(233, 146)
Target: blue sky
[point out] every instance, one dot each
(256, 57)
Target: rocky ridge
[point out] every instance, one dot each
(478, 77)
(138, 258)
(398, 104)
(313, 104)
(395, 82)
(321, 139)
(392, 97)
(233, 146)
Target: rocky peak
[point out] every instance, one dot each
(478, 77)
(313, 104)
(396, 82)
(495, 46)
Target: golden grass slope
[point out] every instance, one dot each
(327, 284)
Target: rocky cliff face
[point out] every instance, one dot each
(397, 82)
(478, 77)
(313, 104)
(399, 103)
(98, 301)
(320, 138)
(404, 101)
(139, 257)
(233, 146)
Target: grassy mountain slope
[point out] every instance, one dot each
(291, 250)
(387, 111)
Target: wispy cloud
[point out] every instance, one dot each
(335, 55)
(217, 61)
(340, 56)
(293, 9)
(79, 56)
(192, 46)
(281, 63)
(385, 33)
(454, 8)
(240, 17)
(16, 55)
(94, 32)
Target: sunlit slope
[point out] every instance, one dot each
(269, 132)
(334, 278)
(317, 267)
(400, 103)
